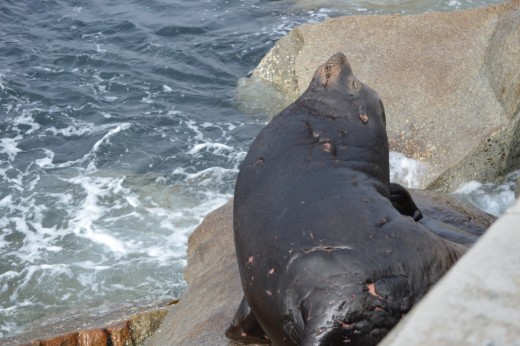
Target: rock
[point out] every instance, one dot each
(210, 302)
(214, 290)
(143, 325)
(517, 188)
(450, 83)
(70, 339)
(93, 337)
(120, 334)
(126, 326)
(450, 210)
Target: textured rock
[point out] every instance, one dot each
(93, 337)
(214, 292)
(70, 339)
(450, 83)
(120, 334)
(143, 325)
(517, 188)
(452, 211)
(126, 326)
(209, 304)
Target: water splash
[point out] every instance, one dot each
(490, 197)
(407, 171)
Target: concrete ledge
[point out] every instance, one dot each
(478, 300)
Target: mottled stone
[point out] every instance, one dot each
(125, 326)
(450, 83)
(70, 339)
(120, 334)
(31, 343)
(207, 307)
(92, 337)
(142, 326)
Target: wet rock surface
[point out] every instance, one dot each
(450, 83)
(127, 326)
(209, 304)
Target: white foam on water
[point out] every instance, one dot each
(76, 130)
(490, 197)
(83, 224)
(387, 7)
(214, 148)
(192, 125)
(406, 171)
(26, 118)
(46, 162)
(99, 49)
(91, 265)
(106, 138)
(105, 114)
(454, 3)
(2, 82)
(9, 146)
(148, 98)
(86, 205)
(469, 187)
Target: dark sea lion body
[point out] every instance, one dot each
(324, 257)
(444, 216)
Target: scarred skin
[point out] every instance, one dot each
(324, 256)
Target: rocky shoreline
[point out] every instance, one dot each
(130, 325)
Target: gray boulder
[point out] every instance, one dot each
(214, 292)
(450, 83)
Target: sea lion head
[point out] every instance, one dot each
(334, 80)
(336, 73)
(348, 118)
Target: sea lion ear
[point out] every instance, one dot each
(354, 86)
(383, 114)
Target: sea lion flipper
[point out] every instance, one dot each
(448, 232)
(245, 327)
(403, 202)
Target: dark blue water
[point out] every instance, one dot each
(118, 133)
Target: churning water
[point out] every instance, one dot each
(118, 133)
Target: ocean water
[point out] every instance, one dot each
(119, 133)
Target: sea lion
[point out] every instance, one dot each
(324, 257)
